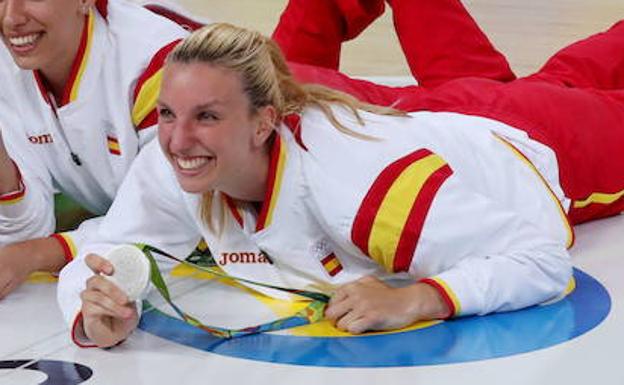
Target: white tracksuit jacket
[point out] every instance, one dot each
(15, 215)
(466, 204)
(104, 118)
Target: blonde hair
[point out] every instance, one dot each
(266, 78)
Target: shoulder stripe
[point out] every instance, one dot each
(177, 16)
(150, 120)
(146, 100)
(416, 218)
(389, 221)
(148, 87)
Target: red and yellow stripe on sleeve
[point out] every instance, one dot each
(14, 197)
(69, 248)
(448, 296)
(390, 219)
(147, 89)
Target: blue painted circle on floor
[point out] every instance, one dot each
(459, 340)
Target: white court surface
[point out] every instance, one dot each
(536, 346)
(574, 341)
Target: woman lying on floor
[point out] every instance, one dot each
(469, 195)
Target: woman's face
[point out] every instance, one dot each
(207, 128)
(42, 34)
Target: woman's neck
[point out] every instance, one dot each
(56, 79)
(251, 182)
(57, 73)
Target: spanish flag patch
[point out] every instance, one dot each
(332, 265)
(113, 145)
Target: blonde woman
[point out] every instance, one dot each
(472, 207)
(78, 77)
(85, 82)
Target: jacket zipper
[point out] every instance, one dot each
(59, 126)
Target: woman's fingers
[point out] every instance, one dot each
(98, 264)
(96, 303)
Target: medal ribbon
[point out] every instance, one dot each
(310, 314)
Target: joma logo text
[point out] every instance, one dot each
(41, 139)
(244, 258)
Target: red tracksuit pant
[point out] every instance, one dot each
(574, 104)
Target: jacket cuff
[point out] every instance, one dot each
(68, 245)
(77, 333)
(16, 196)
(447, 294)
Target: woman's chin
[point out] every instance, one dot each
(194, 186)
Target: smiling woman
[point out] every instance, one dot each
(82, 85)
(39, 37)
(255, 162)
(78, 81)
(210, 132)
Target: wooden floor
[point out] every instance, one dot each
(527, 31)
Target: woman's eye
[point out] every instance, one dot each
(207, 116)
(164, 113)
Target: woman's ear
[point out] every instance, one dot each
(266, 122)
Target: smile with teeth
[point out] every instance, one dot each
(192, 163)
(25, 40)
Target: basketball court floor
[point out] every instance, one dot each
(577, 339)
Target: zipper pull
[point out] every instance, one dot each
(76, 159)
(59, 127)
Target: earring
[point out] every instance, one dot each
(85, 9)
